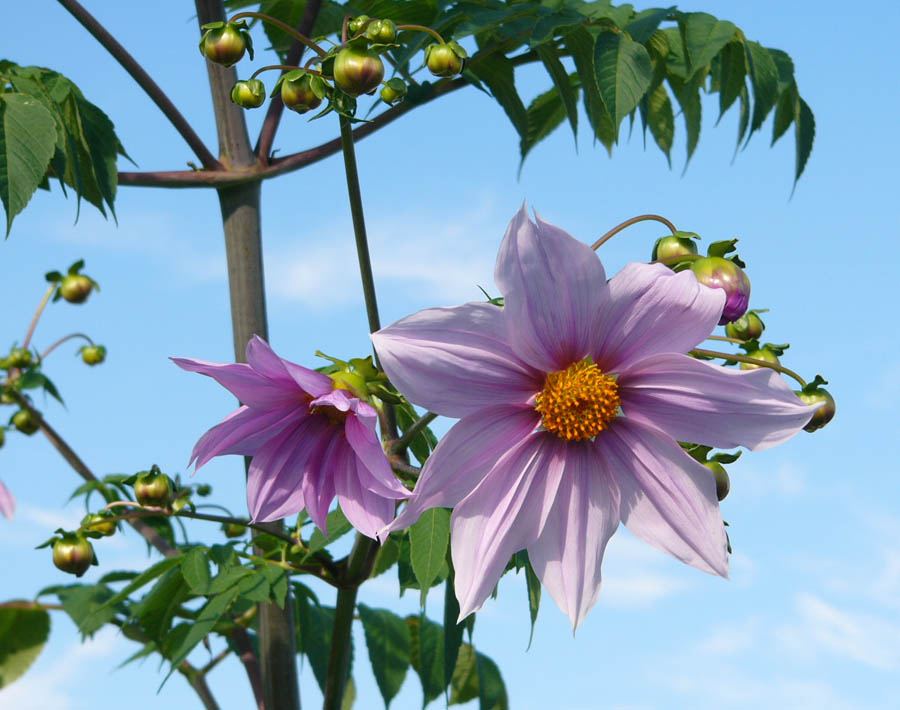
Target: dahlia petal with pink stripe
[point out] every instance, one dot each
(7, 502)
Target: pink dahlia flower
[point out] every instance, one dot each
(309, 441)
(572, 399)
(7, 502)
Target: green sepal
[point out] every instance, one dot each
(814, 385)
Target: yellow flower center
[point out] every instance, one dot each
(578, 402)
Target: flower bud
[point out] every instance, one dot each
(297, 93)
(394, 91)
(73, 554)
(357, 22)
(357, 70)
(76, 288)
(748, 327)
(761, 354)
(98, 523)
(249, 94)
(234, 529)
(723, 483)
(93, 354)
(18, 357)
(225, 43)
(25, 422)
(672, 246)
(381, 32)
(445, 59)
(716, 272)
(823, 414)
(153, 488)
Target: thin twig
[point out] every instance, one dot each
(37, 315)
(150, 87)
(197, 679)
(751, 361)
(415, 428)
(62, 340)
(627, 223)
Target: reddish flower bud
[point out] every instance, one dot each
(225, 43)
(73, 554)
(76, 288)
(716, 272)
(357, 70)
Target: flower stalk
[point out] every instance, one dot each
(749, 360)
(627, 223)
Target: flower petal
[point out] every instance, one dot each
(708, 404)
(243, 382)
(455, 361)
(317, 483)
(273, 481)
(567, 555)
(367, 511)
(667, 499)
(7, 502)
(654, 310)
(375, 471)
(264, 360)
(464, 457)
(554, 289)
(243, 432)
(503, 515)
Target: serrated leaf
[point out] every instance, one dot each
(143, 578)
(732, 70)
(428, 541)
(785, 66)
(255, 587)
(388, 641)
(319, 622)
(704, 37)
(580, 45)
(623, 73)
(644, 24)
(533, 584)
(157, 608)
(565, 85)
(688, 96)
(743, 117)
(491, 689)
(805, 133)
(328, 21)
(427, 654)
(387, 555)
(195, 569)
(464, 685)
(453, 631)
(23, 633)
(497, 73)
(661, 120)
(785, 110)
(27, 142)
(337, 525)
(227, 578)
(545, 114)
(764, 81)
(278, 583)
(87, 605)
(413, 12)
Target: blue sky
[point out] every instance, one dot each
(810, 618)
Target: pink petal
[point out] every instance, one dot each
(317, 483)
(375, 471)
(264, 360)
(7, 502)
(567, 555)
(243, 432)
(463, 458)
(273, 481)
(654, 310)
(338, 398)
(554, 288)
(503, 515)
(667, 499)
(708, 404)
(243, 382)
(455, 361)
(367, 511)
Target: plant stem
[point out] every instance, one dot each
(284, 26)
(750, 360)
(197, 680)
(420, 28)
(402, 443)
(724, 339)
(276, 105)
(137, 72)
(627, 223)
(283, 67)
(62, 340)
(37, 316)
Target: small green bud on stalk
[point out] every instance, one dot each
(249, 94)
(93, 354)
(717, 272)
(357, 22)
(823, 414)
(19, 357)
(6, 397)
(358, 71)
(98, 523)
(748, 327)
(225, 43)
(445, 59)
(153, 488)
(394, 91)
(73, 554)
(25, 422)
(723, 483)
(232, 530)
(297, 93)
(672, 246)
(381, 31)
(76, 288)
(762, 354)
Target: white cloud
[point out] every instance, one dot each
(635, 575)
(731, 639)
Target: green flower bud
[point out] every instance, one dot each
(723, 483)
(297, 93)
(98, 523)
(352, 382)
(762, 354)
(357, 70)
(153, 488)
(18, 357)
(394, 91)
(357, 22)
(672, 246)
(445, 59)
(823, 414)
(25, 422)
(73, 554)
(225, 43)
(748, 327)
(249, 94)
(93, 354)
(382, 32)
(234, 529)
(76, 288)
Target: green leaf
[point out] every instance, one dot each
(805, 133)
(550, 25)
(564, 84)
(157, 608)
(744, 117)
(491, 689)
(387, 555)
(545, 114)
(424, 442)
(688, 95)
(23, 633)
(661, 120)
(27, 142)
(318, 623)
(764, 81)
(428, 540)
(195, 569)
(496, 71)
(785, 66)
(453, 632)
(427, 654)
(534, 597)
(704, 38)
(580, 45)
(464, 685)
(255, 587)
(337, 525)
(785, 110)
(87, 605)
(278, 583)
(226, 579)
(412, 12)
(143, 578)
(623, 73)
(645, 23)
(328, 21)
(732, 70)
(388, 641)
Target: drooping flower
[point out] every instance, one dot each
(310, 440)
(572, 398)
(7, 502)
